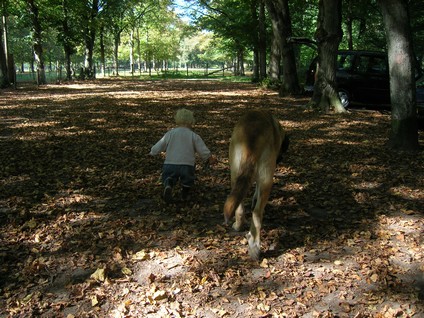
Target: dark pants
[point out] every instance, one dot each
(172, 173)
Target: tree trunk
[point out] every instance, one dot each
(67, 44)
(132, 51)
(90, 36)
(117, 40)
(138, 51)
(256, 63)
(4, 78)
(255, 75)
(241, 57)
(275, 58)
(279, 11)
(349, 25)
(262, 41)
(37, 42)
(102, 51)
(328, 37)
(68, 52)
(404, 132)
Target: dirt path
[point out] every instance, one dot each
(84, 232)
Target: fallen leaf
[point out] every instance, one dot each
(94, 301)
(126, 271)
(99, 275)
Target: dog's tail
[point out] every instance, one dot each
(239, 190)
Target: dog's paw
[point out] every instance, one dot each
(237, 226)
(254, 252)
(254, 247)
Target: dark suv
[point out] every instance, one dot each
(362, 77)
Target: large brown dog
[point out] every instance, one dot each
(257, 144)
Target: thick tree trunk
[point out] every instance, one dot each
(37, 42)
(88, 61)
(90, 36)
(117, 40)
(4, 78)
(275, 58)
(279, 13)
(404, 133)
(328, 36)
(68, 52)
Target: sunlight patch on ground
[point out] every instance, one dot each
(35, 136)
(290, 124)
(294, 187)
(83, 86)
(407, 193)
(35, 124)
(13, 180)
(317, 141)
(367, 185)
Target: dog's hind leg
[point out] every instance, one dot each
(255, 197)
(254, 235)
(240, 218)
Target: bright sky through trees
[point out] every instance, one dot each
(182, 8)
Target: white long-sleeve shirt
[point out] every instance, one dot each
(181, 144)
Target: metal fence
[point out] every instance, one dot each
(59, 75)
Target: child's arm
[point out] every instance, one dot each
(159, 147)
(201, 148)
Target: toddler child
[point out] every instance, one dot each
(181, 144)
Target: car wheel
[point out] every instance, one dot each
(344, 98)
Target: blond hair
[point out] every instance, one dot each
(184, 117)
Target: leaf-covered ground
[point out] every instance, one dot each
(85, 233)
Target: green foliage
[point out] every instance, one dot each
(163, 36)
(229, 20)
(270, 83)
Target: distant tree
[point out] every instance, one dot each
(328, 37)
(33, 10)
(259, 38)
(361, 21)
(90, 19)
(404, 132)
(69, 20)
(416, 9)
(255, 67)
(232, 21)
(262, 41)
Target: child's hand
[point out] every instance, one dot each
(212, 160)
